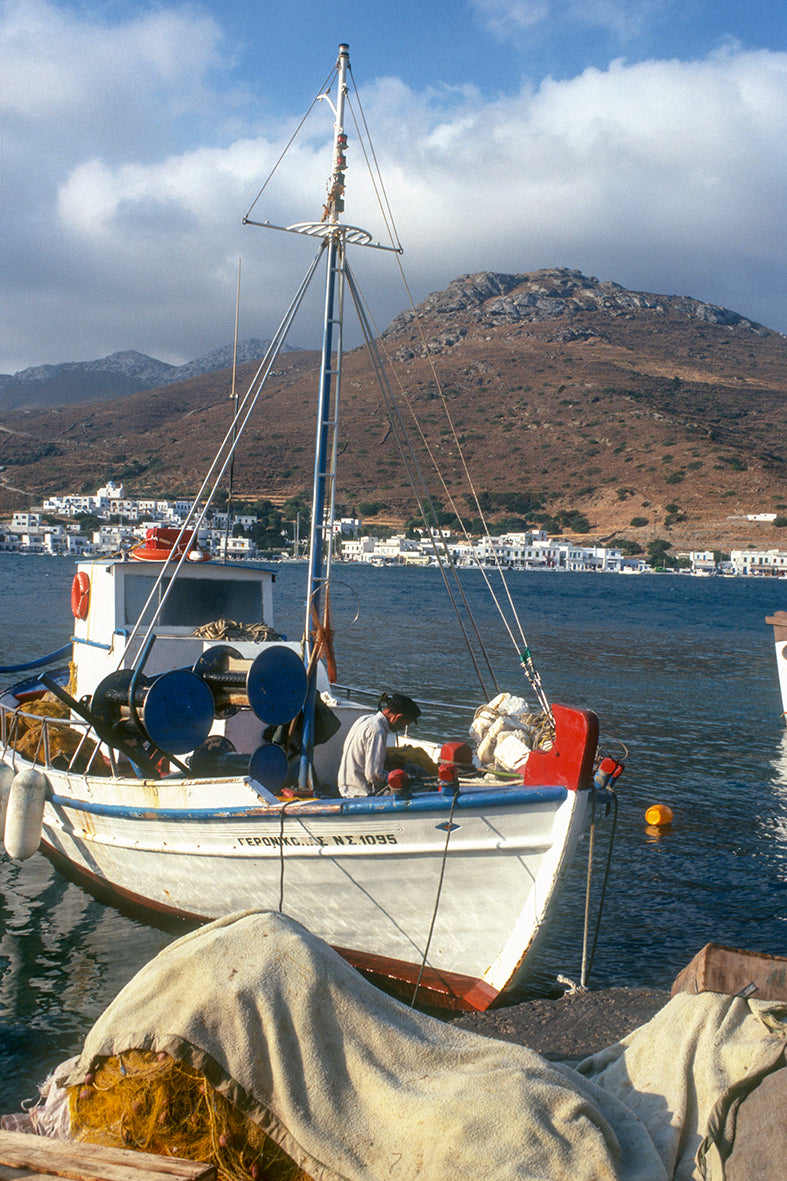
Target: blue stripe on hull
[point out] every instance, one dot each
(373, 805)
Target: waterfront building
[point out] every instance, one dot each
(360, 549)
(222, 546)
(26, 522)
(759, 563)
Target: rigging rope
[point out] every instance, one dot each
(448, 830)
(521, 646)
(285, 150)
(612, 802)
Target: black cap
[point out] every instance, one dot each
(397, 703)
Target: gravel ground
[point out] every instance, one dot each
(571, 1027)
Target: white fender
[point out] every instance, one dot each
(6, 776)
(25, 815)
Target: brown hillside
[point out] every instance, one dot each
(621, 405)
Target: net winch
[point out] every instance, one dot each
(176, 710)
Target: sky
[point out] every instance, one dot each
(639, 141)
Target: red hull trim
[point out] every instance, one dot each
(570, 761)
(449, 991)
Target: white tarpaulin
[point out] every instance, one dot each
(356, 1086)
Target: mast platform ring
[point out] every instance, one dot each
(326, 229)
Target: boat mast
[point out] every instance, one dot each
(328, 396)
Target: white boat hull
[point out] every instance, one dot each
(364, 875)
(779, 623)
(450, 891)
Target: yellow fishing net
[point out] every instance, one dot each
(397, 756)
(153, 1103)
(27, 735)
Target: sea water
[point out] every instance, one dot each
(681, 672)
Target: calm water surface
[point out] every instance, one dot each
(682, 674)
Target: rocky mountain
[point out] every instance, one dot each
(567, 299)
(115, 376)
(614, 413)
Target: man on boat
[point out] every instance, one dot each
(362, 769)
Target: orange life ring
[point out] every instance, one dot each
(161, 543)
(80, 595)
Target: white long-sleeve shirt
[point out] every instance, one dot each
(363, 755)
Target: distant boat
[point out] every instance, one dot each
(185, 763)
(779, 623)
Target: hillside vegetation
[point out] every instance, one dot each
(627, 414)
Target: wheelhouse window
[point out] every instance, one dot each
(194, 601)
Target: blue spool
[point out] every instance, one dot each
(178, 711)
(268, 766)
(276, 685)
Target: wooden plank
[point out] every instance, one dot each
(8, 1174)
(734, 972)
(48, 1157)
(779, 623)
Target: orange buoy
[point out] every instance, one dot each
(658, 815)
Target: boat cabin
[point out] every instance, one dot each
(116, 592)
(109, 597)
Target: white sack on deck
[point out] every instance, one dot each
(353, 1085)
(503, 733)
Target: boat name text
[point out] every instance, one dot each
(363, 838)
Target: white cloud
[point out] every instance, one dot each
(667, 175)
(503, 17)
(121, 233)
(623, 19)
(60, 68)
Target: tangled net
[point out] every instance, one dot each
(62, 742)
(228, 629)
(153, 1103)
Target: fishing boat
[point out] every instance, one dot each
(778, 622)
(184, 763)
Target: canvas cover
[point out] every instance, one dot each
(354, 1085)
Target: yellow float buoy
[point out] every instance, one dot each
(658, 815)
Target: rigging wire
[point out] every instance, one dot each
(415, 475)
(375, 173)
(325, 87)
(226, 450)
(521, 646)
(234, 399)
